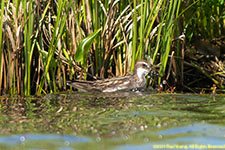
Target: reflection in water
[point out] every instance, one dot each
(121, 120)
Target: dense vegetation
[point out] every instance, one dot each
(44, 43)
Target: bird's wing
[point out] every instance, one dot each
(84, 85)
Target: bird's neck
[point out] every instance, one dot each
(139, 80)
(140, 73)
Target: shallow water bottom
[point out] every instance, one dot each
(115, 121)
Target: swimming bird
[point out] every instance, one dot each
(135, 81)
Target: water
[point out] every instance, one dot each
(117, 121)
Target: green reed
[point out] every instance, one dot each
(50, 45)
(168, 32)
(28, 51)
(46, 43)
(49, 61)
(1, 28)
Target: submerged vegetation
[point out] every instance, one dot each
(44, 43)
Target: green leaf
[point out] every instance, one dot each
(221, 2)
(84, 46)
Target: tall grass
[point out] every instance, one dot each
(1, 28)
(28, 50)
(44, 43)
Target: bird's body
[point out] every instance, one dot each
(137, 80)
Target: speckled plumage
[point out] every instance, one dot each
(137, 80)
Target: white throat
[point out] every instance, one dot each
(141, 72)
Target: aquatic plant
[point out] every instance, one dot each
(44, 43)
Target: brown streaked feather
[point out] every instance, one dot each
(84, 86)
(111, 85)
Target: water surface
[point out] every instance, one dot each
(115, 121)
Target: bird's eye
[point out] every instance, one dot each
(144, 65)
